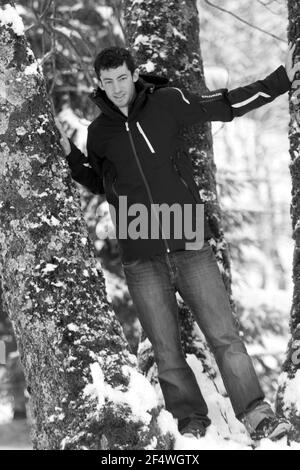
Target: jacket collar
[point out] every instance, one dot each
(144, 85)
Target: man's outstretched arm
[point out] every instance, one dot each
(224, 105)
(252, 96)
(245, 99)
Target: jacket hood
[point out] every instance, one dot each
(145, 84)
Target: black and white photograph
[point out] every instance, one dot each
(149, 227)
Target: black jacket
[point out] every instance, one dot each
(138, 156)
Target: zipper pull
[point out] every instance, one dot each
(127, 126)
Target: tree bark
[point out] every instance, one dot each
(288, 395)
(164, 37)
(78, 366)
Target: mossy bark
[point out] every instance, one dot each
(288, 403)
(51, 284)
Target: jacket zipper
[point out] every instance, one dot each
(145, 182)
(145, 137)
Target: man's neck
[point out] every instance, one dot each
(124, 109)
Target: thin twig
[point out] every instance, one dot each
(117, 14)
(53, 46)
(47, 56)
(244, 21)
(47, 7)
(32, 26)
(266, 5)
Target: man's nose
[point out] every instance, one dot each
(116, 88)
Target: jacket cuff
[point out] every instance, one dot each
(75, 153)
(284, 83)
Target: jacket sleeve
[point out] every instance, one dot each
(223, 105)
(82, 169)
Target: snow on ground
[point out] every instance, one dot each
(14, 435)
(225, 432)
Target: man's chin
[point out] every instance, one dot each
(121, 103)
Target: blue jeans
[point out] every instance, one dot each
(152, 284)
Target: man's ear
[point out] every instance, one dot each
(135, 75)
(100, 84)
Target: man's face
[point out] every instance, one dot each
(118, 84)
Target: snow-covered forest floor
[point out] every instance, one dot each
(14, 434)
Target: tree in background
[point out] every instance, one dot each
(242, 41)
(172, 48)
(288, 397)
(64, 36)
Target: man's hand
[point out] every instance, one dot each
(64, 139)
(289, 67)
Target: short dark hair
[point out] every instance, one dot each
(113, 57)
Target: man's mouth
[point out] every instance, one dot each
(119, 97)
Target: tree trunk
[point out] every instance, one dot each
(164, 37)
(76, 360)
(288, 396)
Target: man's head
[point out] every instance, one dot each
(117, 73)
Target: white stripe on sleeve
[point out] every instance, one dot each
(183, 97)
(249, 100)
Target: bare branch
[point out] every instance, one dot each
(117, 14)
(47, 56)
(53, 46)
(87, 75)
(66, 25)
(32, 26)
(266, 5)
(244, 21)
(47, 7)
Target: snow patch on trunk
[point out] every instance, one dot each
(140, 395)
(291, 397)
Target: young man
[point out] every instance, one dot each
(134, 154)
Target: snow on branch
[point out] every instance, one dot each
(10, 17)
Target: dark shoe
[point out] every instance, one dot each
(19, 414)
(273, 428)
(191, 428)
